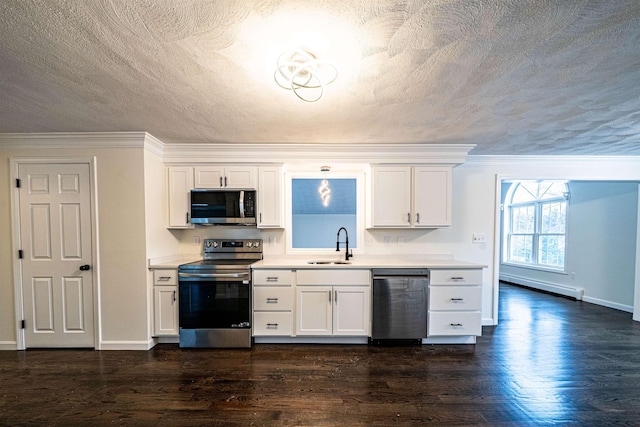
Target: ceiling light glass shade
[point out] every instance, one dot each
(303, 74)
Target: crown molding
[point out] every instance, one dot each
(74, 140)
(296, 152)
(194, 153)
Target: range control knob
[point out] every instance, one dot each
(208, 243)
(249, 244)
(215, 244)
(256, 244)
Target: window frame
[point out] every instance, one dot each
(359, 176)
(537, 233)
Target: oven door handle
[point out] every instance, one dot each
(214, 275)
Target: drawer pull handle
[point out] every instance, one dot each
(457, 299)
(456, 325)
(272, 300)
(272, 326)
(457, 278)
(164, 278)
(272, 279)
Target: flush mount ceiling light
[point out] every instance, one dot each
(305, 75)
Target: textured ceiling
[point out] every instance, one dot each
(512, 76)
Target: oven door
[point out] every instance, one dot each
(214, 312)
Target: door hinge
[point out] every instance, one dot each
(23, 324)
(20, 254)
(17, 182)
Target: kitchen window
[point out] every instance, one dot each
(319, 206)
(536, 224)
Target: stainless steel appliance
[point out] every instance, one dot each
(399, 304)
(215, 295)
(230, 207)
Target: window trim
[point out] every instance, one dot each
(537, 227)
(359, 176)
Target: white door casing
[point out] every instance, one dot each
(56, 239)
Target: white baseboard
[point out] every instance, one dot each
(8, 345)
(127, 345)
(609, 304)
(568, 291)
(311, 340)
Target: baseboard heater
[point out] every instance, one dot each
(555, 288)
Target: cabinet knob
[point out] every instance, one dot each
(272, 300)
(456, 325)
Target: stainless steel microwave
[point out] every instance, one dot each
(230, 207)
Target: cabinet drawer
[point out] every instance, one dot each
(165, 277)
(272, 323)
(339, 276)
(272, 277)
(455, 298)
(455, 323)
(460, 276)
(273, 298)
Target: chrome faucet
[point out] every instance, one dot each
(347, 255)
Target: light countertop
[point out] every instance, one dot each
(364, 261)
(358, 261)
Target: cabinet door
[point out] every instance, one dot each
(166, 310)
(391, 196)
(270, 191)
(241, 177)
(314, 310)
(180, 183)
(209, 176)
(431, 197)
(351, 310)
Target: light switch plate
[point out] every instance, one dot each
(479, 238)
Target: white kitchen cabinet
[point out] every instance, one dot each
(410, 196)
(179, 185)
(333, 302)
(226, 176)
(455, 302)
(165, 303)
(272, 303)
(270, 197)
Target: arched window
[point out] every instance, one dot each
(535, 224)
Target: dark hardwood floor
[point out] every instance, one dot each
(551, 361)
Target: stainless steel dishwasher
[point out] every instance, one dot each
(399, 304)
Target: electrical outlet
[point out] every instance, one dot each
(272, 241)
(196, 240)
(400, 241)
(387, 240)
(479, 238)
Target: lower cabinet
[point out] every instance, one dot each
(342, 309)
(165, 303)
(455, 302)
(272, 303)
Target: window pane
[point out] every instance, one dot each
(553, 217)
(551, 251)
(522, 219)
(521, 248)
(316, 218)
(552, 190)
(526, 192)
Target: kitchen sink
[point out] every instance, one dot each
(328, 262)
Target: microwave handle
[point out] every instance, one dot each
(241, 203)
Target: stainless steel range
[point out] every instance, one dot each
(215, 295)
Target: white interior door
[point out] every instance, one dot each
(55, 235)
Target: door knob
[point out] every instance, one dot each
(85, 267)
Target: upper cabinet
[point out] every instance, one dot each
(179, 185)
(181, 179)
(410, 196)
(217, 176)
(270, 197)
